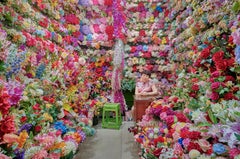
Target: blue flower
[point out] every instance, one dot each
(219, 148)
(180, 141)
(60, 126)
(159, 9)
(237, 54)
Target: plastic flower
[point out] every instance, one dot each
(219, 148)
(22, 138)
(60, 126)
(70, 147)
(4, 156)
(29, 153)
(26, 127)
(40, 154)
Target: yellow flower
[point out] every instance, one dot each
(48, 117)
(164, 40)
(200, 11)
(190, 53)
(72, 27)
(66, 107)
(48, 105)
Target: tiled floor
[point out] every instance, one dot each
(109, 144)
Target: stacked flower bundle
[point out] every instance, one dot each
(199, 118)
(148, 46)
(41, 80)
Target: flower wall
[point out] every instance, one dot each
(148, 45)
(200, 118)
(44, 109)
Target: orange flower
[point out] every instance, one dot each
(22, 138)
(100, 62)
(59, 145)
(77, 137)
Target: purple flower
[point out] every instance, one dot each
(26, 127)
(19, 154)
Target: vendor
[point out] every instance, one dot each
(145, 86)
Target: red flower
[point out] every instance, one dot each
(214, 96)
(216, 74)
(221, 64)
(159, 139)
(205, 53)
(193, 94)
(36, 107)
(72, 19)
(197, 63)
(4, 104)
(181, 117)
(175, 99)
(44, 22)
(215, 85)
(23, 119)
(157, 152)
(195, 87)
(37, 128)
(194, 135)
(184, 133)
(231, 62)
(229, 78)
(133, 49)
(7, 125)
(142, 33)
(108, 2)
(195, 146)
(218, 56)
(235, 89)
(229, 96)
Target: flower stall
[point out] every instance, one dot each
(199, 118)
(42, 80)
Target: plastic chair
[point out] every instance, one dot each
(111, 109)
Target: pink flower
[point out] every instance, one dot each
(214, 96)
(186, 142)
(204, 144)
(215, 74)
(163, 115)
(40, 155)
(177, 149)
(234, 152)
(2, 156)
(215, 85)
(54, 155)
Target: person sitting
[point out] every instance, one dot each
(145, 87)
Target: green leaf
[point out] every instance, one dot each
(237, 136)
(236, 7)
(212, 117)
(222, 91)
(204, 124)
(69, 156)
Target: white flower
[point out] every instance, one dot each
(70, 146)
(32, 151)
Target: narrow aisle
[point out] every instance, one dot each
(109, 144)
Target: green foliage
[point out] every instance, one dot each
(128, 84)
(69, 156)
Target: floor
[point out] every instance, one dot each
(109, 144)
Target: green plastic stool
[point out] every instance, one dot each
(115, 121)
